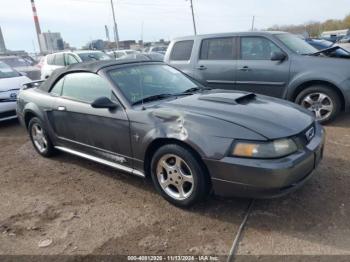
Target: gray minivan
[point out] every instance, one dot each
(277, 64)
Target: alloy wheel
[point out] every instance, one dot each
(175, 177)
(39, 138)
(320, 104)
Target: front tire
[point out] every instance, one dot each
(178, 176)
(322, 101)
(39, 137)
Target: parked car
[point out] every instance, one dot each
(328, 48)
(272, 63)
(146, 56)
(51, 62)
(156, 49)
(148, 119)
(120, 54)
(332, 38)
(22, 65)
(10, 83)
(345, 39)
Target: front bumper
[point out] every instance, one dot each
(7, 110)
(266, 178)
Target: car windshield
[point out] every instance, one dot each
(93, 56)
(143, 81)
(6, 71)
(14, 61)
(296, 44)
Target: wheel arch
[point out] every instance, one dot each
(31, 110)
(159, 142)
(28, 115)
(310, 83)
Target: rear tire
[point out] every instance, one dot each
(39, 137)
(324, 102)
(178, 176)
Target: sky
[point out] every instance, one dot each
(80, 21)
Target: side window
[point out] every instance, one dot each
(182, 51)
(57, 88)
(218, 49)
(257, 48)
(70, 59)
(119, 54)
(50, 59)
(86, 87)
(59, 59)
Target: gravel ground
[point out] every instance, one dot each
(67, 205)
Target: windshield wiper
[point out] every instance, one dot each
(327, 50)
(195, 89)
(152, 98)
(191, 90)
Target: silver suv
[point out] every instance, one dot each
(272, 63)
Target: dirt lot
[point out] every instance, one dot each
(73, 206)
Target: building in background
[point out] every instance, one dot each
(126, 44)
(2, 43)
(51, 42)
(97, 44)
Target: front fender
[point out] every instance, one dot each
(315, 69)
(209, 137)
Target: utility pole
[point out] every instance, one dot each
(253, 22)
(194, 22)
(116, 36)
(37, 25)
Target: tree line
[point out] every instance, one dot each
(314, 29)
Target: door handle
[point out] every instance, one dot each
(202, 67)
(244, 69)
(61, 108)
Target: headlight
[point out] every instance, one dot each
(274, 149)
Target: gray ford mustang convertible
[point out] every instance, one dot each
(149, 119)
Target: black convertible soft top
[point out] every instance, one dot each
(93, 67)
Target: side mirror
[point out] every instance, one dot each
(278, 56)
(104, 102)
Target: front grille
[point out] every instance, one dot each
(7, 114)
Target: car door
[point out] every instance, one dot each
(77, 125)
(216, 63)
(256, 72)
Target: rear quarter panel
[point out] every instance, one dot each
(36, 102)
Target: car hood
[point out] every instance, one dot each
(27, 68)
(270, 117)
(327, 62)
(13, 83)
